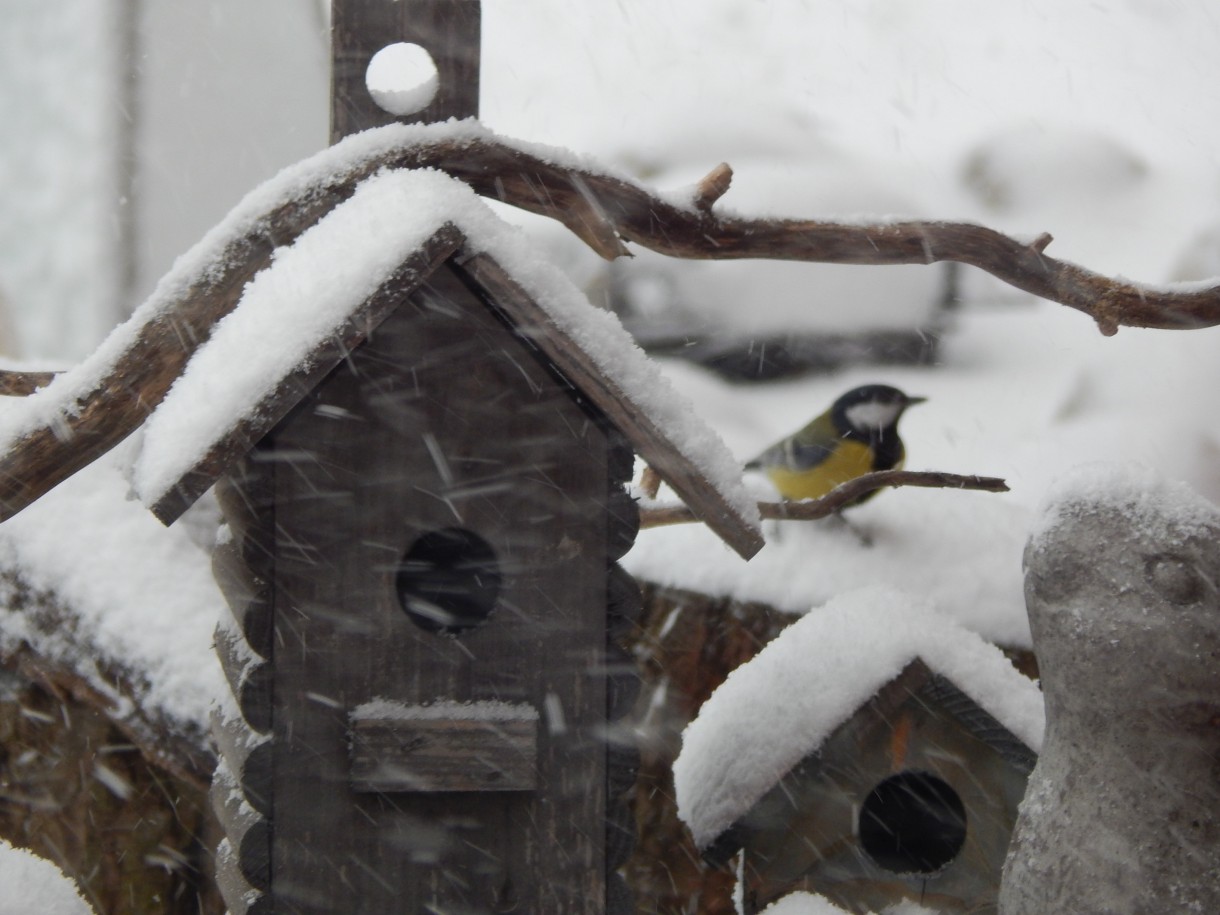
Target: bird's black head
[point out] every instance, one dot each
(870, 410)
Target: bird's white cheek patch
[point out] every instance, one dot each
(875, 415)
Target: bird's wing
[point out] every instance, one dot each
(807, 448)
(800, 454)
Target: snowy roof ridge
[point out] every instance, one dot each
(313, 286)
(779, 707)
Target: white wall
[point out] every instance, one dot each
(230, 91)
(104, 182)
(59, 173)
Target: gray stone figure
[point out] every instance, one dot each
(1122, 812)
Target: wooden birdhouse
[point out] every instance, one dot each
(422, 476)
(893, 748)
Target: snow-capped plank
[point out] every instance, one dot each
(224, 451)
(652, 443)
(782, 705)
(377, 245)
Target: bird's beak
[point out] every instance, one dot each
(911, 401)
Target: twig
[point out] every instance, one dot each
(600, 208)
(650, 482)
(838, 498)
(713, 186)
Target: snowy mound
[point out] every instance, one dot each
(1148, 502)
(130, 595)
(33, 884)
(803, 904)
(812, 904)
(779, 707)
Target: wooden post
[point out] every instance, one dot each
(449, 30)
(380, 755)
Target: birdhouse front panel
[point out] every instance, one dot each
(913, 798)
(439, 590)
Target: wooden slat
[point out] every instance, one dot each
(248, 756)
(651, 443)
(246, 594)
(249, 678)
(275, 406)
(240, 897)
(445, 754)
(248, 831)
(449, 30)
(622, 522)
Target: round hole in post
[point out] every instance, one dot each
(912, 823)
(448, 581)
(402, 78)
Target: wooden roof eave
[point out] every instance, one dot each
(650, 442)
(501, 291)
(251, 428)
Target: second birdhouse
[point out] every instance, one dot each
(889, 749)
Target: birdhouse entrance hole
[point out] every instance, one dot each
(913, 823)
(402, 78)
(448, 581)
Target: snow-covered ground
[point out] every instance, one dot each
(1096, 125)
(1021, 393)
(33, 884)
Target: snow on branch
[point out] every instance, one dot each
(836, 499)
(72, 426)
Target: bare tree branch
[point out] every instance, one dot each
(836, 499)
(14, 383)
(586, 201)
(601, 209)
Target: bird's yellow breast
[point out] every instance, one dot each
(849, 460)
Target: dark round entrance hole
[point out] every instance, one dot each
(913, 823)
(448, 581)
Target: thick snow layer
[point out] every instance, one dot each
(135, 596)
(33, 884)
(812, 904)
(1143, 497)
(780, 706)
(803, 904)
(312, 286)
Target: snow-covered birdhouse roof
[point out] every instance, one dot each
(789, 701)
(322, 295)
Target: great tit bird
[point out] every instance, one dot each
(857, 435)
